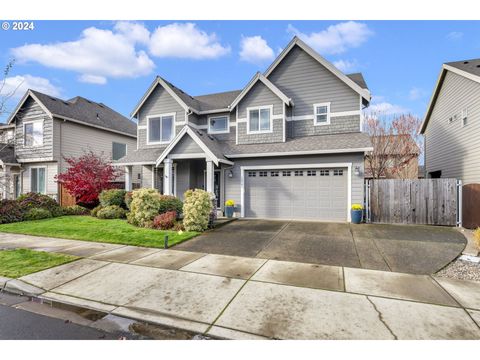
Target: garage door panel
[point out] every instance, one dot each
(304, 194)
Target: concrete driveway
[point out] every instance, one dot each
(399, 248)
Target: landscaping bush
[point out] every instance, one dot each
(95, 210)
(75, 210)
(170, 203)
(165, 221)
(197, 207)
(113, 197)
(37, 214)
(34, 200)
(178, 226)
(476, 235)
(144, 207)
(111, 212)
(11, 211)
(128, 199)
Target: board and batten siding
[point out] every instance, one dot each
(307, 82)
(32, 111)
(451, 147)
(233, 184)
(159, 102)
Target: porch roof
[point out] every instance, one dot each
(7, 154)
(140, 157)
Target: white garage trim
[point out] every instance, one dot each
(297, 166)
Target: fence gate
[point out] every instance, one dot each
(65, 198)
(470, 205)
(419, 201)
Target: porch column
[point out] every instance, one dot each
(168, 177)
(128, 177)
(5, 178)
(210, 173)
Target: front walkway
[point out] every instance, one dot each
(240, 298)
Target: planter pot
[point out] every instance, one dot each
(229, 211)
(357, 216)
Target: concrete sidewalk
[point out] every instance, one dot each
(250, 298)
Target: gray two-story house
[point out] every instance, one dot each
(44, 130)
(451, 126)
(287, 146)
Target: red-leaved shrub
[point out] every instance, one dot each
(165, 221)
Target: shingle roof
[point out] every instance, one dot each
(214, 145)
(471, 66)
(358, 79)
(145, 156)
(330, 143)
(7, 153)
(88, 112)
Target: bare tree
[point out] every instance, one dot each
(396, 144)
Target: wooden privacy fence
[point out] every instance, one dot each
(470, 206)
(422, 201)
(65, 198)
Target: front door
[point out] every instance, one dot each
(216, 186)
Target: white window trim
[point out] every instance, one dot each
(43, 135)
(315, 106)
(148, 128)
(347, 165)
(210, 131)
(259, 108)
(46, 178)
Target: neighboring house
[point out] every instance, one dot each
(452, 123)
(287, 146)
(48, 129)
(393, 157)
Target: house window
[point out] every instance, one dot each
(322, 113)
(262, 173)
(259, 120)
(118, 150)
(218, 124)
(286, 173)
(274, 173)
(465, 117)
(161, 128)
(298, 173)
(337, 172)
(37, 180)
(324, 172)
(252, 174)
(33, 133)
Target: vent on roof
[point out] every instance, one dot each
(98, 117)
(465, 62)
(211, 137)
(51, 98)
(478, 65)
(66, 103)
(89, 101)
(101, 105)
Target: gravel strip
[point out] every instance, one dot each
(462, 270)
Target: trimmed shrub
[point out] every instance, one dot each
(75, 210)
(170, 203)
(476, 235)
(165, 221)
(178, 226)
(112, 197)
(197, 207)
(144, 207)
(37, 214)
(11, 211)
(128, 199)
(34, 200)
(111, 212)
(95, 210)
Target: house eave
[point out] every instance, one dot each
(296, 153)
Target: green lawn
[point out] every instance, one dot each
(20, 262)
(92, 229)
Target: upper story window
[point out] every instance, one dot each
(321, 114)
(33, 133)
(118, 150)
(218, 124)
(259, 119)
(160, 128)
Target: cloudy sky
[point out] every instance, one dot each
(115, 62)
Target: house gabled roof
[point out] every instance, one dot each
(205, 141)
(364, 92)
(469, 69)
(80, 110)
(259, 77)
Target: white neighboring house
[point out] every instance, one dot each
(43, 130)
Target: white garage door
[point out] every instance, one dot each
(319, 194)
